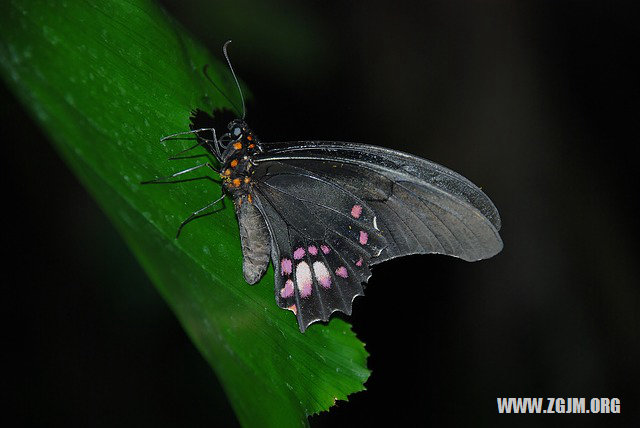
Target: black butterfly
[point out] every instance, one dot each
(324, 212)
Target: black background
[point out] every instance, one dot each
(536, 102)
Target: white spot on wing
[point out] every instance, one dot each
(303, 279)
(322, 274)
(375, 223)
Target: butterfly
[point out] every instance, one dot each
(324, 212)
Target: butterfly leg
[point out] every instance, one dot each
(163, 179)
(196, 213)
(215, 147)
(204, 141)
(193, 131)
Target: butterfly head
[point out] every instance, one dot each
(237, 129)
(239, 140)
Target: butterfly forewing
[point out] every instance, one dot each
(420, 207)
(390, 163)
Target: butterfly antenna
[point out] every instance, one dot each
(226, 55)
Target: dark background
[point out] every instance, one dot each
(536, 102)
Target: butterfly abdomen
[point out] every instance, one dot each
(254, 238)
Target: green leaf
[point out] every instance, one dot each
(106, 80)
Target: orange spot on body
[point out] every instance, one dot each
(234, 163)
(247, 179)
(236, 182)
(250, 199)
(249, 137)
(237, 145)
(293, 309)
(251, 146)
(227, 172)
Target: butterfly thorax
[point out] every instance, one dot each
(237, 166)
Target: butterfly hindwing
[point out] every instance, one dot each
(323, 240)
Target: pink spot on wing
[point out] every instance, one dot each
(287, 291)
(285, 267)
(313, 250)
(364, 237)
(322, 274)
(342, 272)
(359, 262)
(356, 211)
(325, 249)
(298, 253)
(304, 279)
